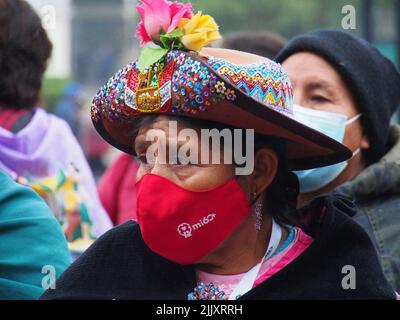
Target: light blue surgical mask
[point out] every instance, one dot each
(333, 125)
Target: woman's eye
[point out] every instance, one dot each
(179, 162)
(182, 161)
(319, 99)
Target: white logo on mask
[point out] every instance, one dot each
(185, 229)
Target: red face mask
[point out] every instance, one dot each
(182, 225)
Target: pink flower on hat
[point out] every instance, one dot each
(160, 16)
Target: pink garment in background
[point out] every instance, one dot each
(117, 189)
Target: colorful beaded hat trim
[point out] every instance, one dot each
(181, 83)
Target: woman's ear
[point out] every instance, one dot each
(364, 143)
(265, 168)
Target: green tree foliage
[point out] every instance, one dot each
(287, 17)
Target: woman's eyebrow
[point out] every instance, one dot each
(320, 85)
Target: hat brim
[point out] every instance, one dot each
(306, 147)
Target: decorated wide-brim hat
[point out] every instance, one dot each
(180, 78)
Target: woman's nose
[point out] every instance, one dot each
(163, 170)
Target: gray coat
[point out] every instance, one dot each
(376, 192)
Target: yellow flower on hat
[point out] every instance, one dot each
(187, 32)
(199, 31)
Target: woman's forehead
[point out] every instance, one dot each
(162, 122)
(169, 126)
(305, 67)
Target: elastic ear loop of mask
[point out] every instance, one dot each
(354, 119)
(348, 122)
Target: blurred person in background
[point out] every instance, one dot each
(263, 43)
(36, 148)
(72, 108)
(32, 243)
(347, 89)
(69, 106)
(94, 147)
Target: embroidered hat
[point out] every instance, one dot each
(226, 86)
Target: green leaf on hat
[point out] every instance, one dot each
(176, 34)
(171, 40)
(149, 56)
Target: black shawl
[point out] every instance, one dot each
(119, 265)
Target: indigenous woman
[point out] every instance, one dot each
(225, 229)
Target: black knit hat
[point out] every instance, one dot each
(371, 78)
